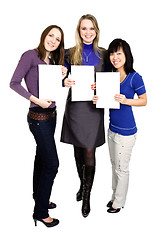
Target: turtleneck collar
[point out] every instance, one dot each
(87, 47)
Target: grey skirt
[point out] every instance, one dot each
(83, 125)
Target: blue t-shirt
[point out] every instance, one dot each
(122, 120)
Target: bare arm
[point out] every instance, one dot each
(141, 101)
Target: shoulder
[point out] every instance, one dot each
(103, 51)
(67, 52)
(30, 55)
(134, 77)
(67, 55)
(136, 80)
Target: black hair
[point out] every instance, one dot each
(113, 47)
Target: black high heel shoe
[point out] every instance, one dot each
(52, 205)
(51, 224)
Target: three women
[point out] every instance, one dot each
(83, 124)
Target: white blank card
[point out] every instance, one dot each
(50, 81)
(107, 85)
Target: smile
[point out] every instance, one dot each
(51, 45)
(88, 36)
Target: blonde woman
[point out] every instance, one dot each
(83, 124)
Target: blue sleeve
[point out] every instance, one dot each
(138, 84)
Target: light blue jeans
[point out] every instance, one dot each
(120, 148)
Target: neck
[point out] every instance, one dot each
(87, 48)
(122, 74)
(88, 43)
(47, 57)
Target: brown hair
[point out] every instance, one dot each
(57, 56)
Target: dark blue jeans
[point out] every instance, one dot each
(46, 164)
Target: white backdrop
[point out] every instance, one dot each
(22, 23)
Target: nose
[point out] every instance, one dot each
(88, 31)
(114, 56)
(53, 40)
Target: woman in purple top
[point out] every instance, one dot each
(41, 117)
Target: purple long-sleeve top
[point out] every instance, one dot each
(27, 68)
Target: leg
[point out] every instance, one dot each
(89, 156)
(123, 146)
(111, 146)
(36, 172)
(43, 132)
(78, 154)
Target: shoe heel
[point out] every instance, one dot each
(35, 222)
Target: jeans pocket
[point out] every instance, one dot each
(32, 123)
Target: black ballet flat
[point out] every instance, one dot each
(52, 205)
(113, 210)
(51, 224)
(109, 204)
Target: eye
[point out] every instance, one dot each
(92, 28)
(58, 39)
(83, 28)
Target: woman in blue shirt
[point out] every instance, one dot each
(122, 127)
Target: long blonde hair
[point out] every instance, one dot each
(76, 51)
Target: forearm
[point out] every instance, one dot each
(136, 102)
(141, 101)
(44, 103)
(34, 99)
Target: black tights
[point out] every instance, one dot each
(85, 156)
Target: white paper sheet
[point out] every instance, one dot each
(50, 81)
(84, 78)
(107, 85)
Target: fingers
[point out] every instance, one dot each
(120, 98)
(68, 82)
(95, 99)
(64, 71)
(93, 86)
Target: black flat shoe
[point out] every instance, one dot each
(109, 204)
(51, 224)
(52, 205)
(113, 210)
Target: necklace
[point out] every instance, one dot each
(87, 56)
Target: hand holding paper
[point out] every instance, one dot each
(68, 82)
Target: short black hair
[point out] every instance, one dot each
(113, 47)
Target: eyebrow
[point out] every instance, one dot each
(52, 34)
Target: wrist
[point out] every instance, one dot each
(34, 99)
(126, 102)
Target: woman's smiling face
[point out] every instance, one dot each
(87, 31)
(52, 40)
(118, 59)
